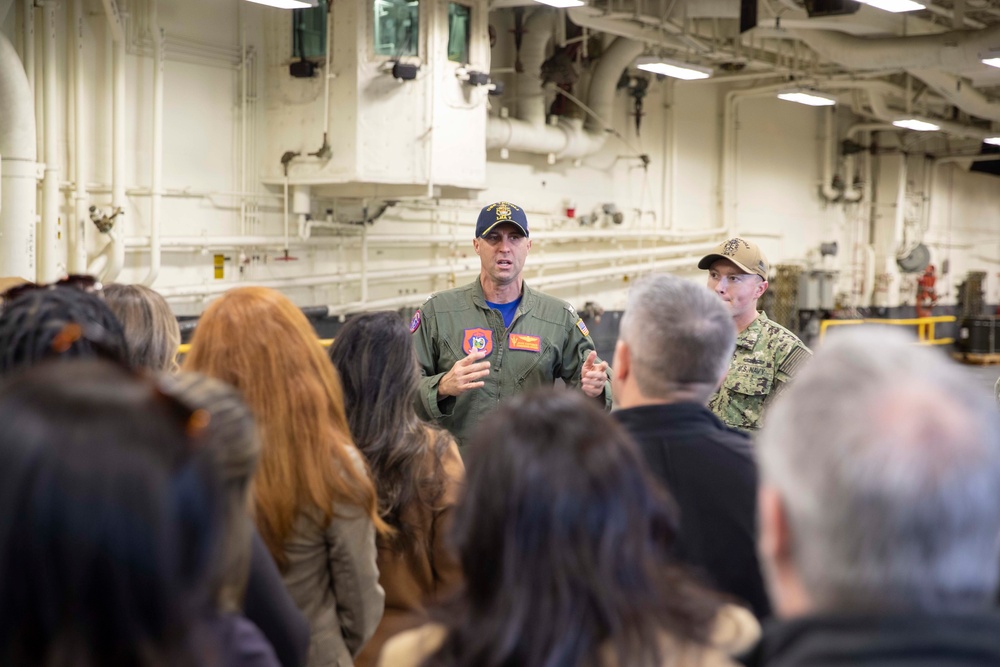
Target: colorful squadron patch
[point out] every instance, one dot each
(523, 342)
(415, 322)
(582, 327)
(477, 339)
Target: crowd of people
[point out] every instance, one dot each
(423, 496)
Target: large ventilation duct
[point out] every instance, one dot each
(17, 171)
(962, 95)
(568, 138)
(955, 50)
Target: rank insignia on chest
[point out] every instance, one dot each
(523, 342)
(478, 340)
(582, 327)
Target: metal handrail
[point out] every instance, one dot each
(925, 326)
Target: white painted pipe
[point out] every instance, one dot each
(156, 201)
(826, 188)
(530, 103)
(76, 251)
(641, 259)
(956, 50)
(50, 264)
(28, 11)
(957, 92)
(568, 138)
(116, 254)
(17, 167)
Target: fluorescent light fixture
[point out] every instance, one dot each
(806, 96)
(894, 6)
(562, 4)
(916, 124)
(992, 140)
(286, 4)
(674, 68)
(991, 58)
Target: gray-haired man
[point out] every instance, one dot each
(674, 347)
(880, 510)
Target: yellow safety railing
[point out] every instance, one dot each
(924, 325)
(186, 347)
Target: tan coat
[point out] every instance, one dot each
(333, 579)
(414, 581)
(735, 631)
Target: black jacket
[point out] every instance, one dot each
(710, 471)
(967, 640)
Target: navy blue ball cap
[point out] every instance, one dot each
(499, 213)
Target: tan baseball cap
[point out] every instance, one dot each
(744, 254)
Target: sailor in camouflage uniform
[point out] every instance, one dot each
(767, 354)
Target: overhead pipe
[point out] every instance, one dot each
(116, 253)
(76, 255)
(569, 138)
(17, 169)
(958, 93)
(155, 202)
(49, 265)
(642, 259)
(954, 50)
(651, 30)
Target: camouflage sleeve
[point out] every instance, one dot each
(788, 366)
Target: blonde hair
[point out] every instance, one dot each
(255, 339)
(151, 330)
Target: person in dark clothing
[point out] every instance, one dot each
(880, 482)
(674, 347)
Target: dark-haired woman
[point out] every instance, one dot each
(109, 524)
(564, 541)
(416, 467)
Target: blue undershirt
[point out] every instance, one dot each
(507, 310)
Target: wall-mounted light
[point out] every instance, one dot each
(287, 4)
(991, 58)
(894, 6)
(805, 96)
(562, 4)
(673, 68)
(995, 141)
(916, 124)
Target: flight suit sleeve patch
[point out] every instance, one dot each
(582, 327)
(415, 322)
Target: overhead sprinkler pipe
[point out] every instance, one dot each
(17, 169)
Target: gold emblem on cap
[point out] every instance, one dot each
(503, 211)
(732, 246)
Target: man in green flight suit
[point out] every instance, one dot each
(767, 354)
(496, 337)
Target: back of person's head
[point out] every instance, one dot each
(680, 337)
(374, 356)
(151, 330)
(256, 340)
(106, 525)
(230, 436)
(58, 321)
(564, 541)
(886, 461)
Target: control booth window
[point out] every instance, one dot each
(396, 27)
(459, 23)
(309, 32)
